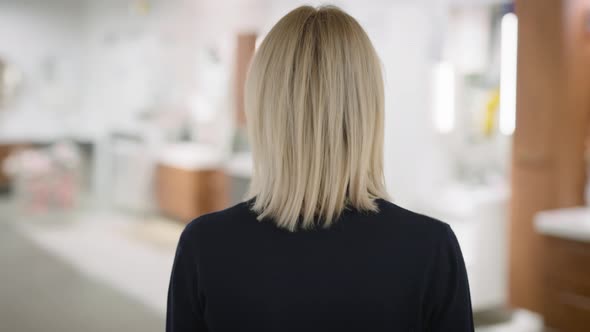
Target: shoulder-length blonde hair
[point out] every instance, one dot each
(314, 108)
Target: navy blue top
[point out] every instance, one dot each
(394, 270)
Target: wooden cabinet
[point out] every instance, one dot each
(566, 281)
(5, 151)
(548, 166)
(185, 194)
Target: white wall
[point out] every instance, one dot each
(41, 39)
(134, 59)
(153, 56)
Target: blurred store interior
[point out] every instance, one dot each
(122, 120)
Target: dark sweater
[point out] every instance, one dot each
(389, 271)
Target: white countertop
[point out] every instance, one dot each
(190, 156)
(194, 156)
(570, 223)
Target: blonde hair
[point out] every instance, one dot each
(314, 109)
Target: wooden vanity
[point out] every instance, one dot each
(190, 181)
(566, 269)
(185, 194)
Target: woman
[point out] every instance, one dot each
(317, 247)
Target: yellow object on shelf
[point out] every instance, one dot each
(491, 113)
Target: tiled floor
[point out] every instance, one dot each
(40, 291)
(505, 321)
(119, 250)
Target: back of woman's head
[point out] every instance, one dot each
(314, 107)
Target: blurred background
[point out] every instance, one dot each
(122, 120)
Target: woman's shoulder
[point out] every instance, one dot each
(391, 219)
(402, 219)
(219, 219)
